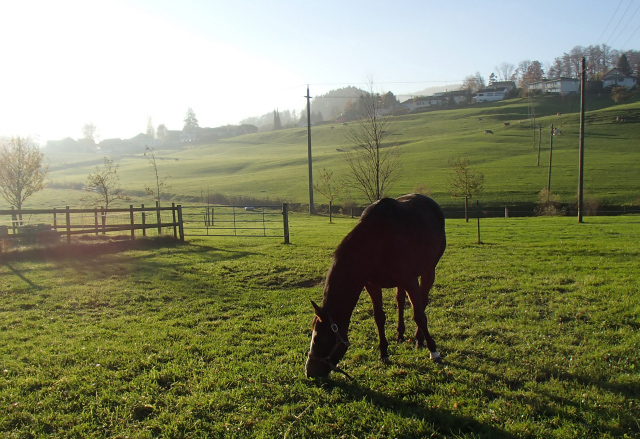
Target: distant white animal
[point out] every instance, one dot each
(556, 131)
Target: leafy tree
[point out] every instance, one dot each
(89, 132)
(623, 65)
(161, 132)
(465, 181)
(190, 121)
(22, 170)
(620, 94)
(103, 185)
(328, 188)
(161, 183)
(532, 73)
(374, 164)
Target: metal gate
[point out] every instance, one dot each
(240, 221)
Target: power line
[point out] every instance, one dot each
(634, 32)
(625, 26)
(610, 20)
(619, 21)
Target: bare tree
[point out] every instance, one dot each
(161, 183)
(328, 188)
(465, 181)
(505, 71)
(374, 163)
(22, 170)
(103, 185)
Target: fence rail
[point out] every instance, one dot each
(46, 225)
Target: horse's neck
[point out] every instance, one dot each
(342, 290)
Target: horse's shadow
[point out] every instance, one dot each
(445, 422)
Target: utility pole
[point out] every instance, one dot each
(539, 142)
(583, 75)
(312, 209)
(550, 156)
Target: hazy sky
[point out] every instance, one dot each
(115, 63)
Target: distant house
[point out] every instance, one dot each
(437, 100)
(509, 85)
(408, 105)
(491, 94)
(555, 86)
(615, 78)
(455, 97)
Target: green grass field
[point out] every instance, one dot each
(273, 165)
(538, 325)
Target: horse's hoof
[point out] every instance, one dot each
(385, 360)
(400, 339)
(438, 360)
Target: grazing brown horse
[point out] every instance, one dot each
(394, 243)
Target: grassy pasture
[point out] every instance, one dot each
(273, 165)
(539, 327)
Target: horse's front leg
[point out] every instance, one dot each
(418, 303)
(400, 301)
(426, 282)
(375, 292)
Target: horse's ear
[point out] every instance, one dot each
(317, 310)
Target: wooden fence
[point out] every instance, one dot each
(43, 225)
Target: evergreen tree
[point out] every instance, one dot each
(623, 65)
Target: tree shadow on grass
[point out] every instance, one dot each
(101, 258)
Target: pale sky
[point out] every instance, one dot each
(115, 63)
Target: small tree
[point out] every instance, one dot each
(329, 189)
(465, 181)
(161, 183)
(103, 185)
(22, 170)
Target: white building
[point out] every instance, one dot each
(615, 78)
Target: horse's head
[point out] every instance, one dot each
(328, 346)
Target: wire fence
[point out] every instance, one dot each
(269, 221)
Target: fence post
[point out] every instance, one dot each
(173, 212)
(95, 219)
(285, 221)
(14, 220)
(133, 230)
(104, 220)
(144, 221)
(180, 224)
(506, 212)
(68, 216)
(158, 217)
(478, 214)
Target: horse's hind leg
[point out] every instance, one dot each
(418, 302)
(375, 292)
(400, 301)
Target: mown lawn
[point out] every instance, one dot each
(538, 326)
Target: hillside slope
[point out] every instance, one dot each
(274, 165)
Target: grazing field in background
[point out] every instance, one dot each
(273, 165)
(538, 325)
